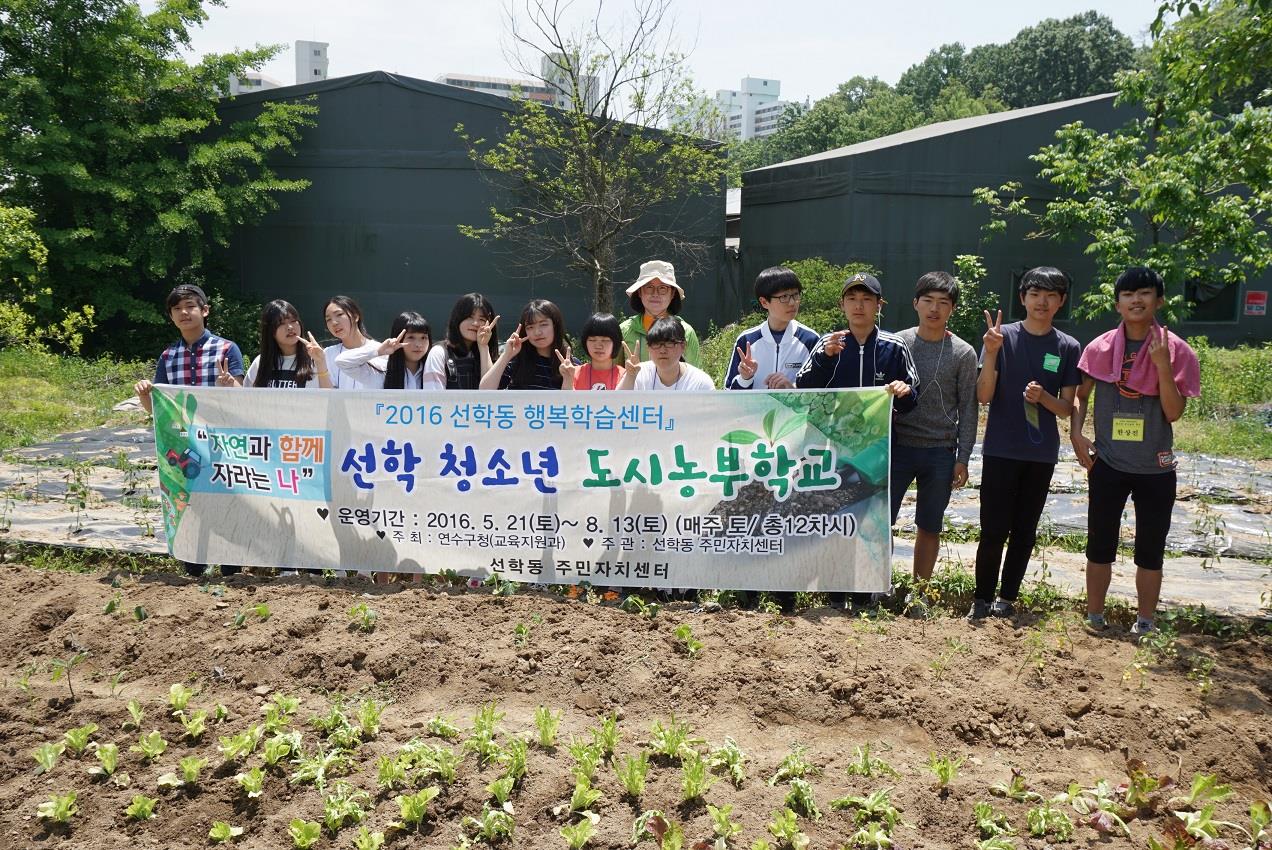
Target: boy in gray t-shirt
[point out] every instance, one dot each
(1141, 375)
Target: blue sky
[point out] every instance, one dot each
(810, 45)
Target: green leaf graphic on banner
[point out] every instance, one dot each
(174, 416)
(790, 425)
(768, 423)
(741, 437)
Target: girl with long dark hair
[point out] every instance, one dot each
(459, 361)
(288, 357)
(345, 323)
(534, 366)
(398, 362)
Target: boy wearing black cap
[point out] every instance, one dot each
(1142, 375)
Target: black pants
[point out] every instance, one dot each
(196, 570)
(1154, 496)
(1012, 495)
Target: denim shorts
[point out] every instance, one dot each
(933, 469)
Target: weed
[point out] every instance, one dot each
(730, 758)
(953, 647)
(631, 773)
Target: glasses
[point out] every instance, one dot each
(788, 298)
(663, 346)
(656, 289)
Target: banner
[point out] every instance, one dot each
(782, 490)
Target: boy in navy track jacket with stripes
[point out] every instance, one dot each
(841, 359)
(769, 355)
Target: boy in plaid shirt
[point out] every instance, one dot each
(200, 358)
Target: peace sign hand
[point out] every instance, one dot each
(485, 331)
(568, 368)
(514, 341)
(994, 335)
(746, 363)
(632, 361)
(223, 376)
(391, 345)
(315, 352)
(1159, 347)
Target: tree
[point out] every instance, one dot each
(112, 141)
(925, 81)
(594, 176)
(22, 261)
(1184, 187)
(1063, 59)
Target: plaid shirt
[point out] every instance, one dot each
(196, 365)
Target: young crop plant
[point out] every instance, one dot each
(998, 842)
(1047, 820)
(367, 840)
(513, 759)
(117, 682)
(251, 782)
(1202, 825)
(605, 738)
(1103, 811)
(795, 765)
(865, 764)
(107, 761)
(800, 799)
(136, 714)
(485, 728)
(587, 757)
(60, 667)
(59, 809)
(413, 808)
(695, 778)
(445, 728)
(953, 648)
(729, 758)
(501, 790)
(279, 712)
(493, 825)
(667, 834)
(391, 773)
(673, 740)
(141, 807)
(188, 777)
(437, 763)
(785, 828)
(723, 826)
(990, 821)
(179, 697)
(691, 645)
(520, 635)
(238, 747)
(344, 805)
(280, 747)
(632, 771)
(583, 796)
(634, 604)
(77, 739)
(578, 835)
(875, 807)
(46, 756)
(1017, 789)
(150, 746)
(304, 833)
(363, 618)
(195, 724)
(318, 767)
(221, 832)
(547, 723)
(945, 769)
(368, 715)
(1205, 789)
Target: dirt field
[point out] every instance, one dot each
(1053, 702)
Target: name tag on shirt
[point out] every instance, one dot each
(1128, 429)
(1051, 362)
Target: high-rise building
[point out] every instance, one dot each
(754, 109)
(252, 81)
(557, 79)
(311, 61)
(502, 86)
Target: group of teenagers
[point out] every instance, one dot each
(1132, 382)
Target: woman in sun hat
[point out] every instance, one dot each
(656, 295)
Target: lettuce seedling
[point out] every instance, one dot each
(865, 764)
(77, 739)
(437, 763)
(363, 618)
(140, 614)
(795, 765)
(729, 758)
(877, 806)
(785, 828)
(485, 728)
(189, 768)
(691, 645)
(1260, 818)
(493, 826)
(1142, 789)
(641, 826)
(674, 739)
(195, 725)
(634, 604)
(579, 834)
(991, 822)
(280, 747)
(945, 769)
(108, 760)
(345, 804)
(59, 809)
(368, 715)
(1046, 820)
(112, 605)
(547, 724)
(998, 842)
(317, 767)
(724, 828)
(252, 782)
(179, 697)
(414, 807)
(390, 773)
(222, 832)
(1205, 789)
(632, 772)
(520, 635)
(150, 746)
(304, 833)
(606, 737)
(513, 759)
(584, 796)
(587, 757)
(800, 799)
(141, 807)
(46, 756)
(1017, 789)
(136, 713)
(1202, 825)
(872, 835)
(695, 779)
(501, 790)
(443, 727)
(237, 747)
(367, 840)
(1104, 812)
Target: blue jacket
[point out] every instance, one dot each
(770, 356)
(883, 358)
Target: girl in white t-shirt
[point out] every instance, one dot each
(395, 364)
(288, 358)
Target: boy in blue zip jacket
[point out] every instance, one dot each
(769, 355)
(864, 355)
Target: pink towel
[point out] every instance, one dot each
(1102, 360)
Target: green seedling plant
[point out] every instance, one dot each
(112, 605)
(304, 833)
(641, 828)
(667, 834)
(179, 697)
(140, 614)
(606, 737)
(587, 757)
(117, 682)
(729, 758)
(1142, 790)
(513, 758)
(501, 790)
(990, 821)
(485, 728)
(945, 769)
(46, 756)
(279, 712)
(1260, 822)
(316, 768)
(1100, 805)
(1047, 820)
(579, 834)
(865, 764)
(363, 618)
(723, 827)
(785, 828)
(221, 832)
(77, 739)
(107, 761)
(998, 842)
(1202, 824)
(141, 807)
(136, 715)
(438, 763)
(444, 727)
(391, 773)
(234, 748)
(492, 826)
(520, 635)
(953, 648)
(252, 782)
(60, 667)
(1017, 789)
(634, 604)
(795, 765)
(59, 809)
(151, 746)
(691, 645)
(413, 808)
(195, 724)
(631, 773)
(673, 739)
(344, 805)
(188, 777)
(695, 778)
(1205, 789)
(280, 747)
(871, 836)
(368, 715)
(367, 840)
(546, 723)
(800, 799)
(584, 796)
(875, 807)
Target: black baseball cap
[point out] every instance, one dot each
(865, 281)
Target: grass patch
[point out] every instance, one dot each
(49, 394)
(1246, 435)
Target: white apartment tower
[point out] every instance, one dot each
(558, 83)
(754, 109)
(311, 61)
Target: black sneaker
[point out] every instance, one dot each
(980, 610)
(1002, 608)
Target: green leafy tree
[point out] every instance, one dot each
(1184, 187)
(592, 178)
(112, 140)
(23, 294)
